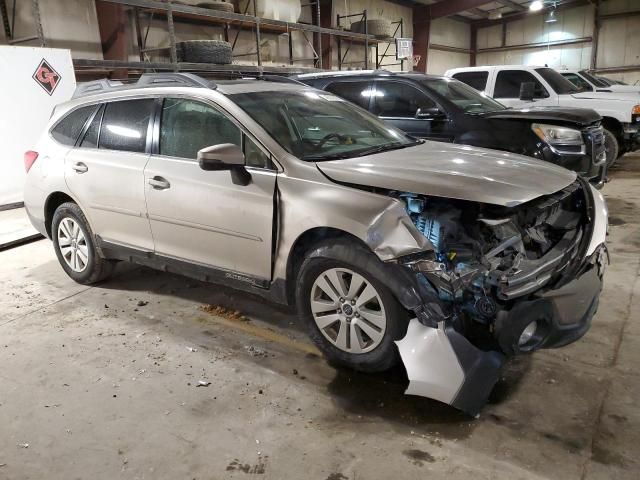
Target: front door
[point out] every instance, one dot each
(105, 172)
(201, 216)
(507, 89)
(398, 103)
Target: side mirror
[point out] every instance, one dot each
(225, 156)
(527, 91)
(430, 113)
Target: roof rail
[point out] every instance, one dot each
(145, 80)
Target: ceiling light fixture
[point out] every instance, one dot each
(536, 6)
(551, 17)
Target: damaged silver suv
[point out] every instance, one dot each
(447, 257)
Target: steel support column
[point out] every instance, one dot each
(421, 30)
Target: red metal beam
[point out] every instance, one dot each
(421, 28)
(112, 23)
(326, 17)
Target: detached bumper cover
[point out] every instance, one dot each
(443, 365)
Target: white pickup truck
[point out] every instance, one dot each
(520, 85)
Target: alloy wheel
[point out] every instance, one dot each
(73, 244)
(348, 310)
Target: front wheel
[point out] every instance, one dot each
(75, 246)
(611, 147)
(352, 317)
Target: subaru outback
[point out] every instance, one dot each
(449, 258)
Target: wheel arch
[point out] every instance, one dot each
(614, 126)
(305, 243)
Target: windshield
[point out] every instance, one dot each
(316, 126)
(462, 95)
(598, 82)
(557, 82)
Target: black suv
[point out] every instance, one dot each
(447, 110)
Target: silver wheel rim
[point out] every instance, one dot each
(73, 245)
(348, 310)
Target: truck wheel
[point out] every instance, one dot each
(205, 51)
(75, 246)
(611, 147)
(352, 317)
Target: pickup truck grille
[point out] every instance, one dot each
(594, 136)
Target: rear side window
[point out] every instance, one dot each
(508, 84)
(125, 124)
(578, 81)
(401, 100)
(355, 92)
(68, 129)
(477, 80)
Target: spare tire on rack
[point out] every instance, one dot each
(204, 51)
(219, 5)
(380, 28)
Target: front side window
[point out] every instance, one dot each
(508, 84)
(477, 79)
(578, 81)
(461, 95)
(316, 126)
(125, 124)
(597, 81)
(188, 126)
(401, 100)
(68, 129)
(356, 92)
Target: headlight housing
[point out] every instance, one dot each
(561, 139)
(635, 110)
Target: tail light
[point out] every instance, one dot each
(30, 158)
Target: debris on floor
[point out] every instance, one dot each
(142, 303)
(23, 445)
(224, 312)
(255, 351)
(203, 383)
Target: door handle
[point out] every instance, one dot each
(80, 167)
(159, 183)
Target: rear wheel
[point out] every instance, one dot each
(352, 317)
(611, 147)
(75, 246)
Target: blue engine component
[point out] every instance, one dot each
(431, 228)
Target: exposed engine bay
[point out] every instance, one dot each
(487, 259)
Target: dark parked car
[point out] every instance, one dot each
(444, 109)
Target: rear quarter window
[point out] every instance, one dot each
(477, 80)
(357, 92)
(68, 129)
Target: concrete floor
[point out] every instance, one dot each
(96, 386)
(15, 228)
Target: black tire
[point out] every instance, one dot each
(379, 27)
(611, 146)
(97, 268)
(385, 354)
(205, 51)
(221, 6)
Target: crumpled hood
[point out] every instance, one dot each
(453, 171)
(581, 116)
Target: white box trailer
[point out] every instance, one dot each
(32, 82)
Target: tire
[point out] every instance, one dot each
(92, 270)
(221, 6)
(205, 51)
(378, 28)
(611, 146)
(378, 352)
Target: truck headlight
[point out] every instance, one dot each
(635, 110)
(561, 139)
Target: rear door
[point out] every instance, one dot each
(397, 103)
(105, 172)
(200, 216)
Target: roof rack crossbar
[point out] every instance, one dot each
(145, 80)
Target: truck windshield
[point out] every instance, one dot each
(462, 95)
(557, 82)
(316, 126)
(598, 82)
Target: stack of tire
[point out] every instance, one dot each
(379, 28)
(207, 51)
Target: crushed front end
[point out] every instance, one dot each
(499, 281)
